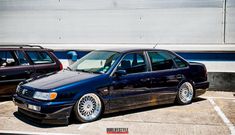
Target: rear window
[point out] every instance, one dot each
(39, 57)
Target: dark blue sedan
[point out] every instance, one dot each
(106, 81)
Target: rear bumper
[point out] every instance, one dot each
(50, 113)
(201, 88)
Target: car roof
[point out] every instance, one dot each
(126, 50)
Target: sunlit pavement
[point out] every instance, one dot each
(211, 114)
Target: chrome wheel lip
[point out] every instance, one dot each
(89, 107)
(186, 92)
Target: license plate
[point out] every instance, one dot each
(34, 107)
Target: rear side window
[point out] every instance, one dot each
(179, 62)
(161, 60)
(39, 57)
(7, 59)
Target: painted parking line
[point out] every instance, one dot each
(30, 133)
(217, 97)
(82, 126)
(223, 116)
(2, 103)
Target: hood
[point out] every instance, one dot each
(58, 79)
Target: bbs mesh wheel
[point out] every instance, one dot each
(88, 108)
(185, 93)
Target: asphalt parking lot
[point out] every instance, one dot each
(211, 114)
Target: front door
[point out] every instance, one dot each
(132, 89)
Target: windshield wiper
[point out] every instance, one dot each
(97, 72)
(68, 68)
(87, 71)
(82, 70)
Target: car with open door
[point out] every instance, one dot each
(21, 62)
(105, 81)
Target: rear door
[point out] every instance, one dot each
(165, 76)
(14, 68)
(42, 61)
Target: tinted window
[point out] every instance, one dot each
(160, 60)
(39, 57)
(133, 63)
(180, 63)
(21, 58)
(7, 59)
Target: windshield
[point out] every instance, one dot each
(95, 62)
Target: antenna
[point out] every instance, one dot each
(155, 45)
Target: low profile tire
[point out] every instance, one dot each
(185, 93)
(88, 108)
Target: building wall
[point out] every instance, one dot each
(116, 21)
(230, 19)
(199, 26)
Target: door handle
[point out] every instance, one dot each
(28, 71)
(179, 76)
(3, 76)
(145, 80)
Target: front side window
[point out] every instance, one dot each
(96, 62)
(133, 63)
(7, 59)
(39, 57)
(160, 60)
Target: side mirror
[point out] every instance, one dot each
(120, 73)
(72, 57)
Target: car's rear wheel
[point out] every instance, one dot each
(185, 93)
(88, 108)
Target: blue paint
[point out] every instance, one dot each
(190, 56)
(207, 56)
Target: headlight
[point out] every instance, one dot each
(45, 95)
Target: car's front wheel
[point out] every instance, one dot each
(185, 93)
(88, 108)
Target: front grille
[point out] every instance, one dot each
(27, 93)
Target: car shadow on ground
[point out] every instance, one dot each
(116, 114)
(132, 111)
(29, 121)
(3, 99)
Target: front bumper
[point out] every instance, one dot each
(50, 113)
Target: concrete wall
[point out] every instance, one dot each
(116, 21)
(222, 81)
